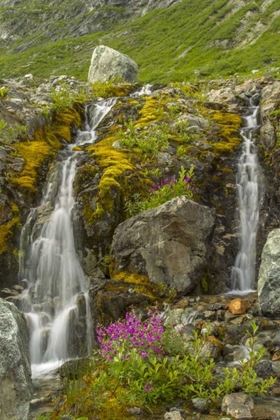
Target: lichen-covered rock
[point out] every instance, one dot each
(15, 374)
(238, 405)
(269, 276)
(168, 244)
(107, 64)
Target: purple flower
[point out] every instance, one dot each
(148, 386)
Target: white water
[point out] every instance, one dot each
(94, 113)
(56, 302)
(145, 90)
(247, 182)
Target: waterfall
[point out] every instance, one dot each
(56, 301)
(247, 183)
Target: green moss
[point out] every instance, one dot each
(7, 229)
(111, 89)
(204, 285)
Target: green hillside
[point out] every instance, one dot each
(203, 38)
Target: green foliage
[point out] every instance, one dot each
(154, 373)
(43, 417)
(9, 133)
(148, 141)
(62, 98)
(3, 92)
(160, 193)
(183, 370)
(182, 42)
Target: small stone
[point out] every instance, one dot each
(237, 306)
(173, 415)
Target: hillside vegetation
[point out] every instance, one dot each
(206, 38)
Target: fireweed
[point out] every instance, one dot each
(145, 337)
(146, 364)
(163, 191)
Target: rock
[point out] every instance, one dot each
(268, 136)
(15, 374)
(238, 405)
(237, 306)
(168, 244)
(109, 64)
(269, 276)
(201, 404)
(173, 415)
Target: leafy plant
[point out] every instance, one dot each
(145, 363)
(162, 191)
(9, 133)
(62, 97)
(149, 141)
(3, 92)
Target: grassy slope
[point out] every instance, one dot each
(177, 43)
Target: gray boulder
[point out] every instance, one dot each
(269, 276)
(15, 374)
(168, 244)
(107, 64)
(238, 405)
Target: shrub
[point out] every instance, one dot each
(145, 363)
(162, 191)
(149, 141)
(9, 133)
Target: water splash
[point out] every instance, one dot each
(56, 302)
(247, 182)
(95, 112)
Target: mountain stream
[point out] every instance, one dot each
(56, 300)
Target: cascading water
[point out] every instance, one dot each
(247, 182)
(56, 301)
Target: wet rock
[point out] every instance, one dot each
(238, 405)
(15, 373)
(168, 244)
(107, 63)
(268, 136)
(269, 276)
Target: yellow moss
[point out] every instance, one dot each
(228, 134)
(34, 154)
(153, 110)
(115, 165)
(111, 89)
(131, 277)
(43, 147)
(63, 122)
(77, 149)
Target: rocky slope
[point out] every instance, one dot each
(170, 40)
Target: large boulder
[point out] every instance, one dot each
(15, 374)
(108, 64)
(269, 276)
(168, 244)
